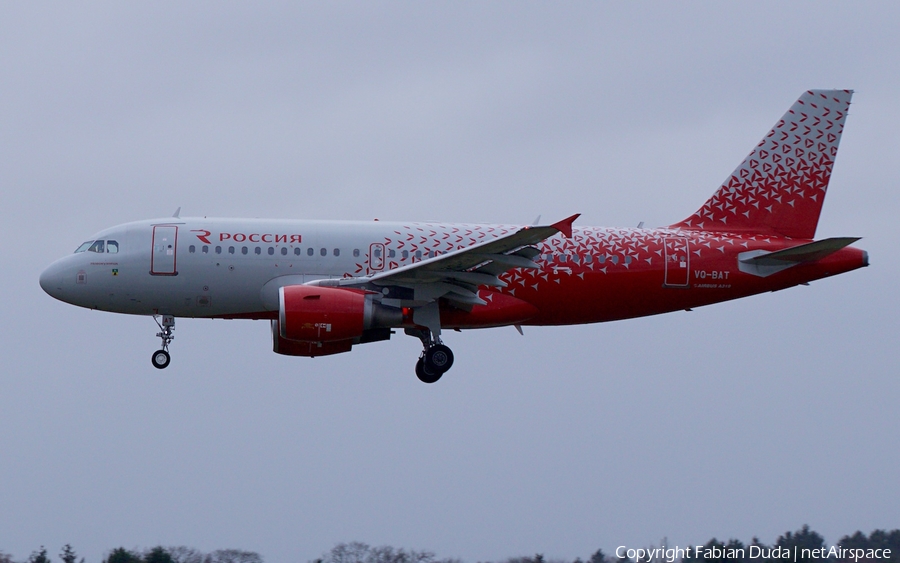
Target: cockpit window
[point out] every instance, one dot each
(96, 247)
(84, 246)
(112, 247)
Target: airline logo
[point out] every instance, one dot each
(204, 235)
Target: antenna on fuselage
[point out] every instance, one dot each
(177, 213)
(537, 221)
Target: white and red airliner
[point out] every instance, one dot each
(326, 286)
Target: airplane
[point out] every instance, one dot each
(326, 286)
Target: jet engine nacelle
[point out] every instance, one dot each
(327, 314)
(309, 349)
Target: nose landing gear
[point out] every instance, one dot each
(436, 358)
(161, 358)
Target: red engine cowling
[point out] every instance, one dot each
(321, 314)
(310, 349)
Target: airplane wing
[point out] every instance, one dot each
(457, 275)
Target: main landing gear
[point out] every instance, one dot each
(161, 357)
(436, 358)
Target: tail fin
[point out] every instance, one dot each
(780, 186)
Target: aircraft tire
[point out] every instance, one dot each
(160, 359)
(438, 358)
(426, 376)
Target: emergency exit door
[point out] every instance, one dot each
(162, 258)
(376, 256)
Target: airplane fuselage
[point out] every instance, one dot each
(232, 268)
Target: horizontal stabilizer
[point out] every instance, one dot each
(762, 263)
(805, 252)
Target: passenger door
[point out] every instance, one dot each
(677, 262)
(162, 257)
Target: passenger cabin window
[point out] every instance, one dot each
(218, 250)
(243, 250)
(405, 254)
(258, 250)
(337, 251)
(230, 250)
(297, 251)
(96, 247)
(323, 252)
(271, 250)
(84, 246)
(310, 251)
(205, 249)
(356, 253)
(112, 247)
(192, 249)
(284, 251)
(392, 253)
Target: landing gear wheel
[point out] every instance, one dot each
(438, 358)
(424, 375)
(160, 359)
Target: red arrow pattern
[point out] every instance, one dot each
(781, 185)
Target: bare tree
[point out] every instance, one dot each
(353, 552)
(359, 552)
(233, 556)
(183, 554)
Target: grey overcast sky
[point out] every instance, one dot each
(745, 418)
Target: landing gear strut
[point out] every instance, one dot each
(161, 357)
(436, 358)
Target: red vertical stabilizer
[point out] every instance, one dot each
(780, 186)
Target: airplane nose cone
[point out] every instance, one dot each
(51, 281)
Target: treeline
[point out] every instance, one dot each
(157, 554)
(802, 546)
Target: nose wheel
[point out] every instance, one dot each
(436, 358)
(161, 358)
